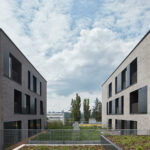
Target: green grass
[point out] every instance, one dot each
(62, 148)
(132, 142)
(70, 135)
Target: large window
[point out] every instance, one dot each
(115, 106)
(12, 137)
(12, 125)
(127, 77)
(125, 124)
(138, 101)
(12, 67)
(24, 104)
(110, 90)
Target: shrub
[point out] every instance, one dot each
(55, 125)
(139, 148)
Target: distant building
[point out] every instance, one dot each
(22, 92)
(56, 116)
(92, 120)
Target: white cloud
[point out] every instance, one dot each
(74, 59)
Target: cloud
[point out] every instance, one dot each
(75, 45)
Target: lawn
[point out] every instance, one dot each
(132, 142)
(69, 135)
(96, 147)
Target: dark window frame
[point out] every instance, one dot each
(110, 90)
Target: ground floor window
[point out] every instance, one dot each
(12, 133)
(110, 123)
(127, 126)
(34, 126)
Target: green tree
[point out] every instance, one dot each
(86, 109)
(75, 108)
(97, 110)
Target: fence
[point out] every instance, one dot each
(65, 136)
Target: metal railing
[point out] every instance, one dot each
(64, 136)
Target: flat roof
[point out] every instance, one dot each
(127, 56)
(22, 53)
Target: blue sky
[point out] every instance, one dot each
(75, 44)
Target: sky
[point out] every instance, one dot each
(75, 44)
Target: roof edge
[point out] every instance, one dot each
(127, 56)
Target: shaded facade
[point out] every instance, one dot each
(22, 90)
(126, 93)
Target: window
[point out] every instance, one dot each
(38, 124)
(118, 83)
(31, 124)
(113, 107)
(14, 69)
(12, 136)
(125, 124)
(41, 108)
(134, 102)
(116, 106)
(12, 125)
(24, 104)
(17, 101)
(123, 79)
(39, 86)
(34, 124)
(110, 123)
(110, 90)
(107, 108)
(34, 84)
(32, 105)
(28, 104)
(122, 105)
(133, 72)
(127, 77)
(142, 100)
(118, 124)
(138, 101)
(133, 124)
(30, 81)
(110, 107)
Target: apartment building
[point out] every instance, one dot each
(126, 93)
(22, 90)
